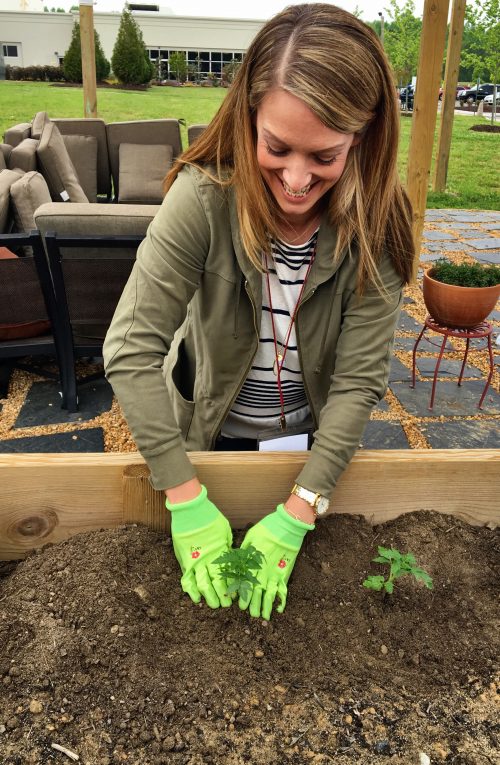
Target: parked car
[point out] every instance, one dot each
(459, 88)
(488, 100)
(476, 93)
(407, 99)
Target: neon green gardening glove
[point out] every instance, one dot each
(278, 537)
(200, 533)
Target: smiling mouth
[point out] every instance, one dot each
(295, 194)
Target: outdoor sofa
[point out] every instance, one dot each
(95, 186)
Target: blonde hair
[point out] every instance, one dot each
(336, 65)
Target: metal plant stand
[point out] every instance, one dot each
(483, 330)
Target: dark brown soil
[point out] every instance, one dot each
(486, 128)
(101, 653)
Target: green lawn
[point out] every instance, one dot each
(474, 166)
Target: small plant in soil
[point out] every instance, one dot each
(238, 567)
(399, 564)
(465, 274)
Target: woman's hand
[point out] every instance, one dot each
(278, 537)
(200, 533)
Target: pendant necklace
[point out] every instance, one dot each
(279, 357)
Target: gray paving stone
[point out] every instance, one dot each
(43, 404)
(473, 217)
(404, 343)
(438, 235)
(430, 256)
(463, 434)
(91, 440)
(382, 406)
(475, 233)
(384, 434)
(456, 226)
(486, 243)
(447, 368)
(407, 323)
(494, 316)
(454, 246)
(432, 344)
(493, 256)
(450, 399)
(495, 226)
(408, 300)
(398, 371)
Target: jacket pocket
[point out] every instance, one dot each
(180, 383)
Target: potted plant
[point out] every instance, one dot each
(461, 295)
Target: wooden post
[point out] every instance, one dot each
(449, 94)
(88, 58)
(425, 112)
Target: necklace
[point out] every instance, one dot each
(279, 358)
(305, 233)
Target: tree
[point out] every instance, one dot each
(72, 64)
(481, 41)
(402, 39)
(130, 60)
(178, 65)
(229, 71)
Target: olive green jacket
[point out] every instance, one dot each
(186, 330)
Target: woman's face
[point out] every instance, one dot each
(299, 157)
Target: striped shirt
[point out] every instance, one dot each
(257, 408)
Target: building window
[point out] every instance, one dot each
(9, 51)
(200, 62)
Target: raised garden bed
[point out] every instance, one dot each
(101, 653)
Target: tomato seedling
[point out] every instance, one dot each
(399, 565)
(237, 567)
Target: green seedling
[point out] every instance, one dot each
(399, 565)
(238, 567)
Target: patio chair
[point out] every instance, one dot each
(27, 305)
(89, 274)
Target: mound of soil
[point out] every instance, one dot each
(103, 655)
(486, 128)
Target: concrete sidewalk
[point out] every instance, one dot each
(31, 419)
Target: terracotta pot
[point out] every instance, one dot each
(453, 306)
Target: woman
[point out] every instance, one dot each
(277, 260)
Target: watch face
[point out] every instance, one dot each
(322, 506)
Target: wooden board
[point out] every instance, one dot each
(48, 497)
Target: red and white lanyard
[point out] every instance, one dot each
(280, 357)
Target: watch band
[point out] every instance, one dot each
(318, 503)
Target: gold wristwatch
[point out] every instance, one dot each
(318, 503)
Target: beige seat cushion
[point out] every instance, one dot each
(82, 220)
(5, 152)
(142, 170)
(97, 128)
(149, 132)
(82, 150)
(27, 194)
(39, 121)
(23, 156)
(7, 178)
(17, 133)
(57, 167)
(194, 132)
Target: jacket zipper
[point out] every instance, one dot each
(242, 379)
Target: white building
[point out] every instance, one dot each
(34, 38)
